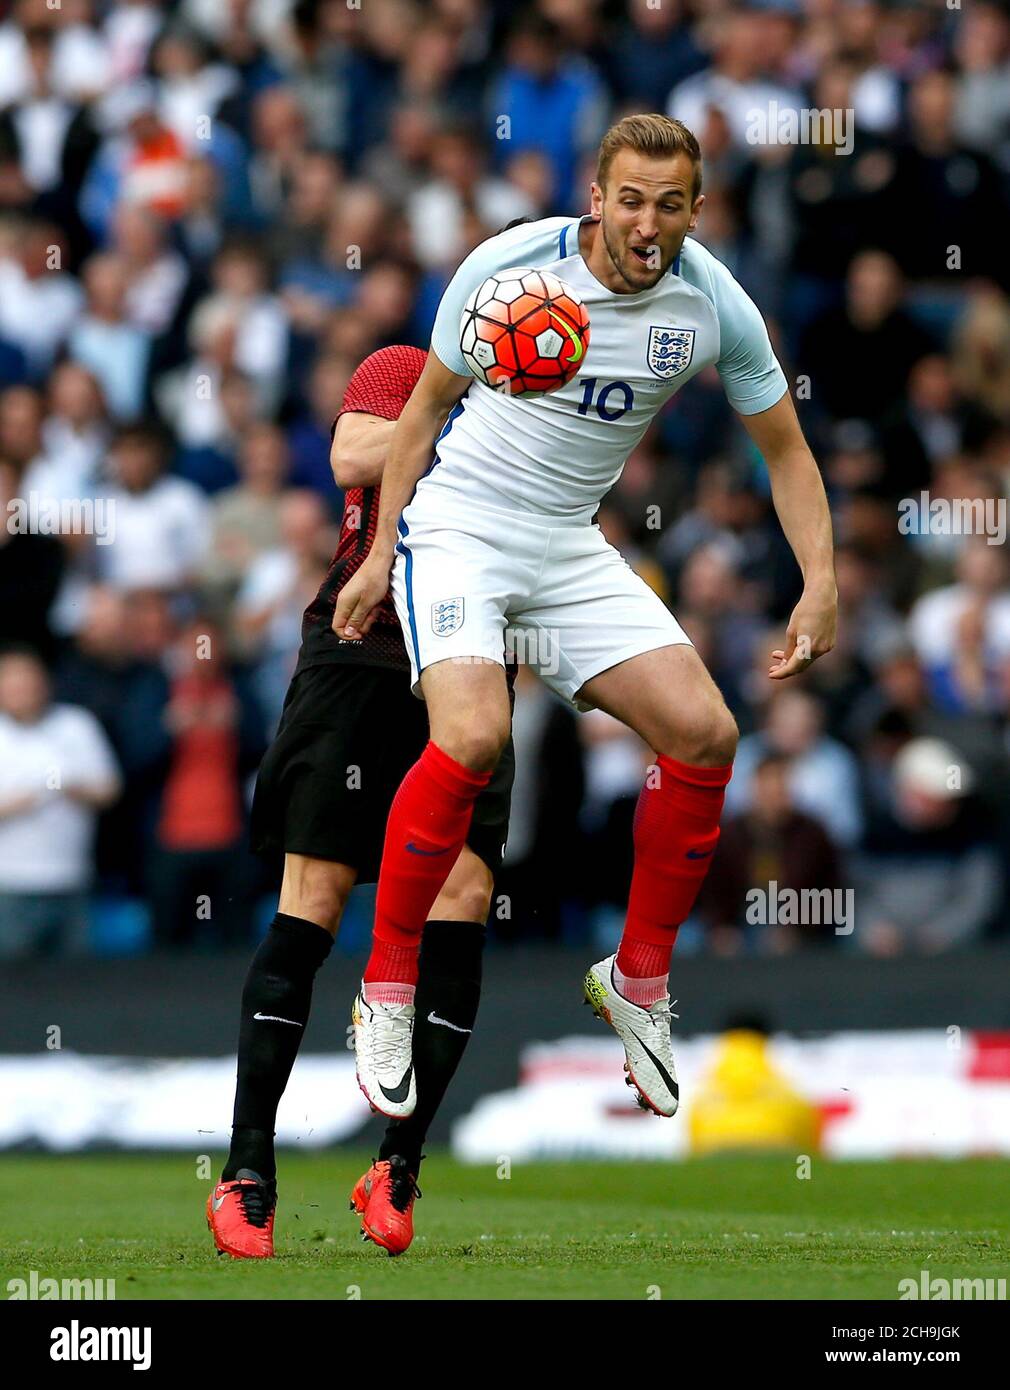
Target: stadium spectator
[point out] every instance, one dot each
(47, 141)
(982, 49)
(39, 300)
(771, 848)
(713, 598)
(896, 707)
(104, 340)
(278, 586)
(31, 567)
(22, 413)
(79, 58)
(930, 877)
(57, 771)
(160, 292)
(438, 210)
(309, 432)
(198, 870)
(213, 463)
(128, 30)
(239, 277)
(737, 83)
(140, 164)
(280, 139)
(400, 166)
(191, 86)
(728, 510)
(980, 352)
(947, 195)
(200, 230)
(836, 204)
(301, 232)
(961, 631)
(823, 774)
(161, 525)
(656, 48)
(872, 329)
(245, 519)
(74, 434)
(137, 657)
(554, 102)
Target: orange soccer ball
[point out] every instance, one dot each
(524, 332)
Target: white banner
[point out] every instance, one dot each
(64, 1101)
(880, 1095)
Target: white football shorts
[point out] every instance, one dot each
(472, 582)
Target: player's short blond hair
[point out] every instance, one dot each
(655, 136)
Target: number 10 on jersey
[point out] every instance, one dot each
(614, 399)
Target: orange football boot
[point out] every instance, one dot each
(384, 1199)
(240, 1214)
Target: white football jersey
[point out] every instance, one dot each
(556, 455)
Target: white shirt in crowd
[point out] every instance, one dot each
(48, 849)
(437, 218)
(42, 127)
(80, 63)
(160, 537)
(272, 582)
(934, 619)
(37, 314)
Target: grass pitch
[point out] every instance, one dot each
(714, 1228)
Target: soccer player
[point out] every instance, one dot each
(349, 731)
(500, 531)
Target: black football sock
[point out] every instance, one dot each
(445, 1007)
(275, 1009)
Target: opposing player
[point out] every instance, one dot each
(349, 731)
(500, 531)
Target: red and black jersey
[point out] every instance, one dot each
(381, 385)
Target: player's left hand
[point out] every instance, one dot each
(810, 634)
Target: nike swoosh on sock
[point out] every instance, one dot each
(434, 1018)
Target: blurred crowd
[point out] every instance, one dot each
(212, 210)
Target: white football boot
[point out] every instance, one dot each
(383, 1034)
(645, 1033)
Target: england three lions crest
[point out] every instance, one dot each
(447, 617)
(670, 351)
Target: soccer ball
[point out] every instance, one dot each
(524, 332)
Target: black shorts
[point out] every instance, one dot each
(348, 735)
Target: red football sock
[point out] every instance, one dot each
(676, 832)
(427, 826)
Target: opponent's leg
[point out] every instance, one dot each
(468, 712)
(275, 1009)
(448, 993)
(670, 700)
(446, 1001)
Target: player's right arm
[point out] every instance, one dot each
(358, 451)
(409, 454)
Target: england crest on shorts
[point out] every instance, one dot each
(447, 617)
(670, 350)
